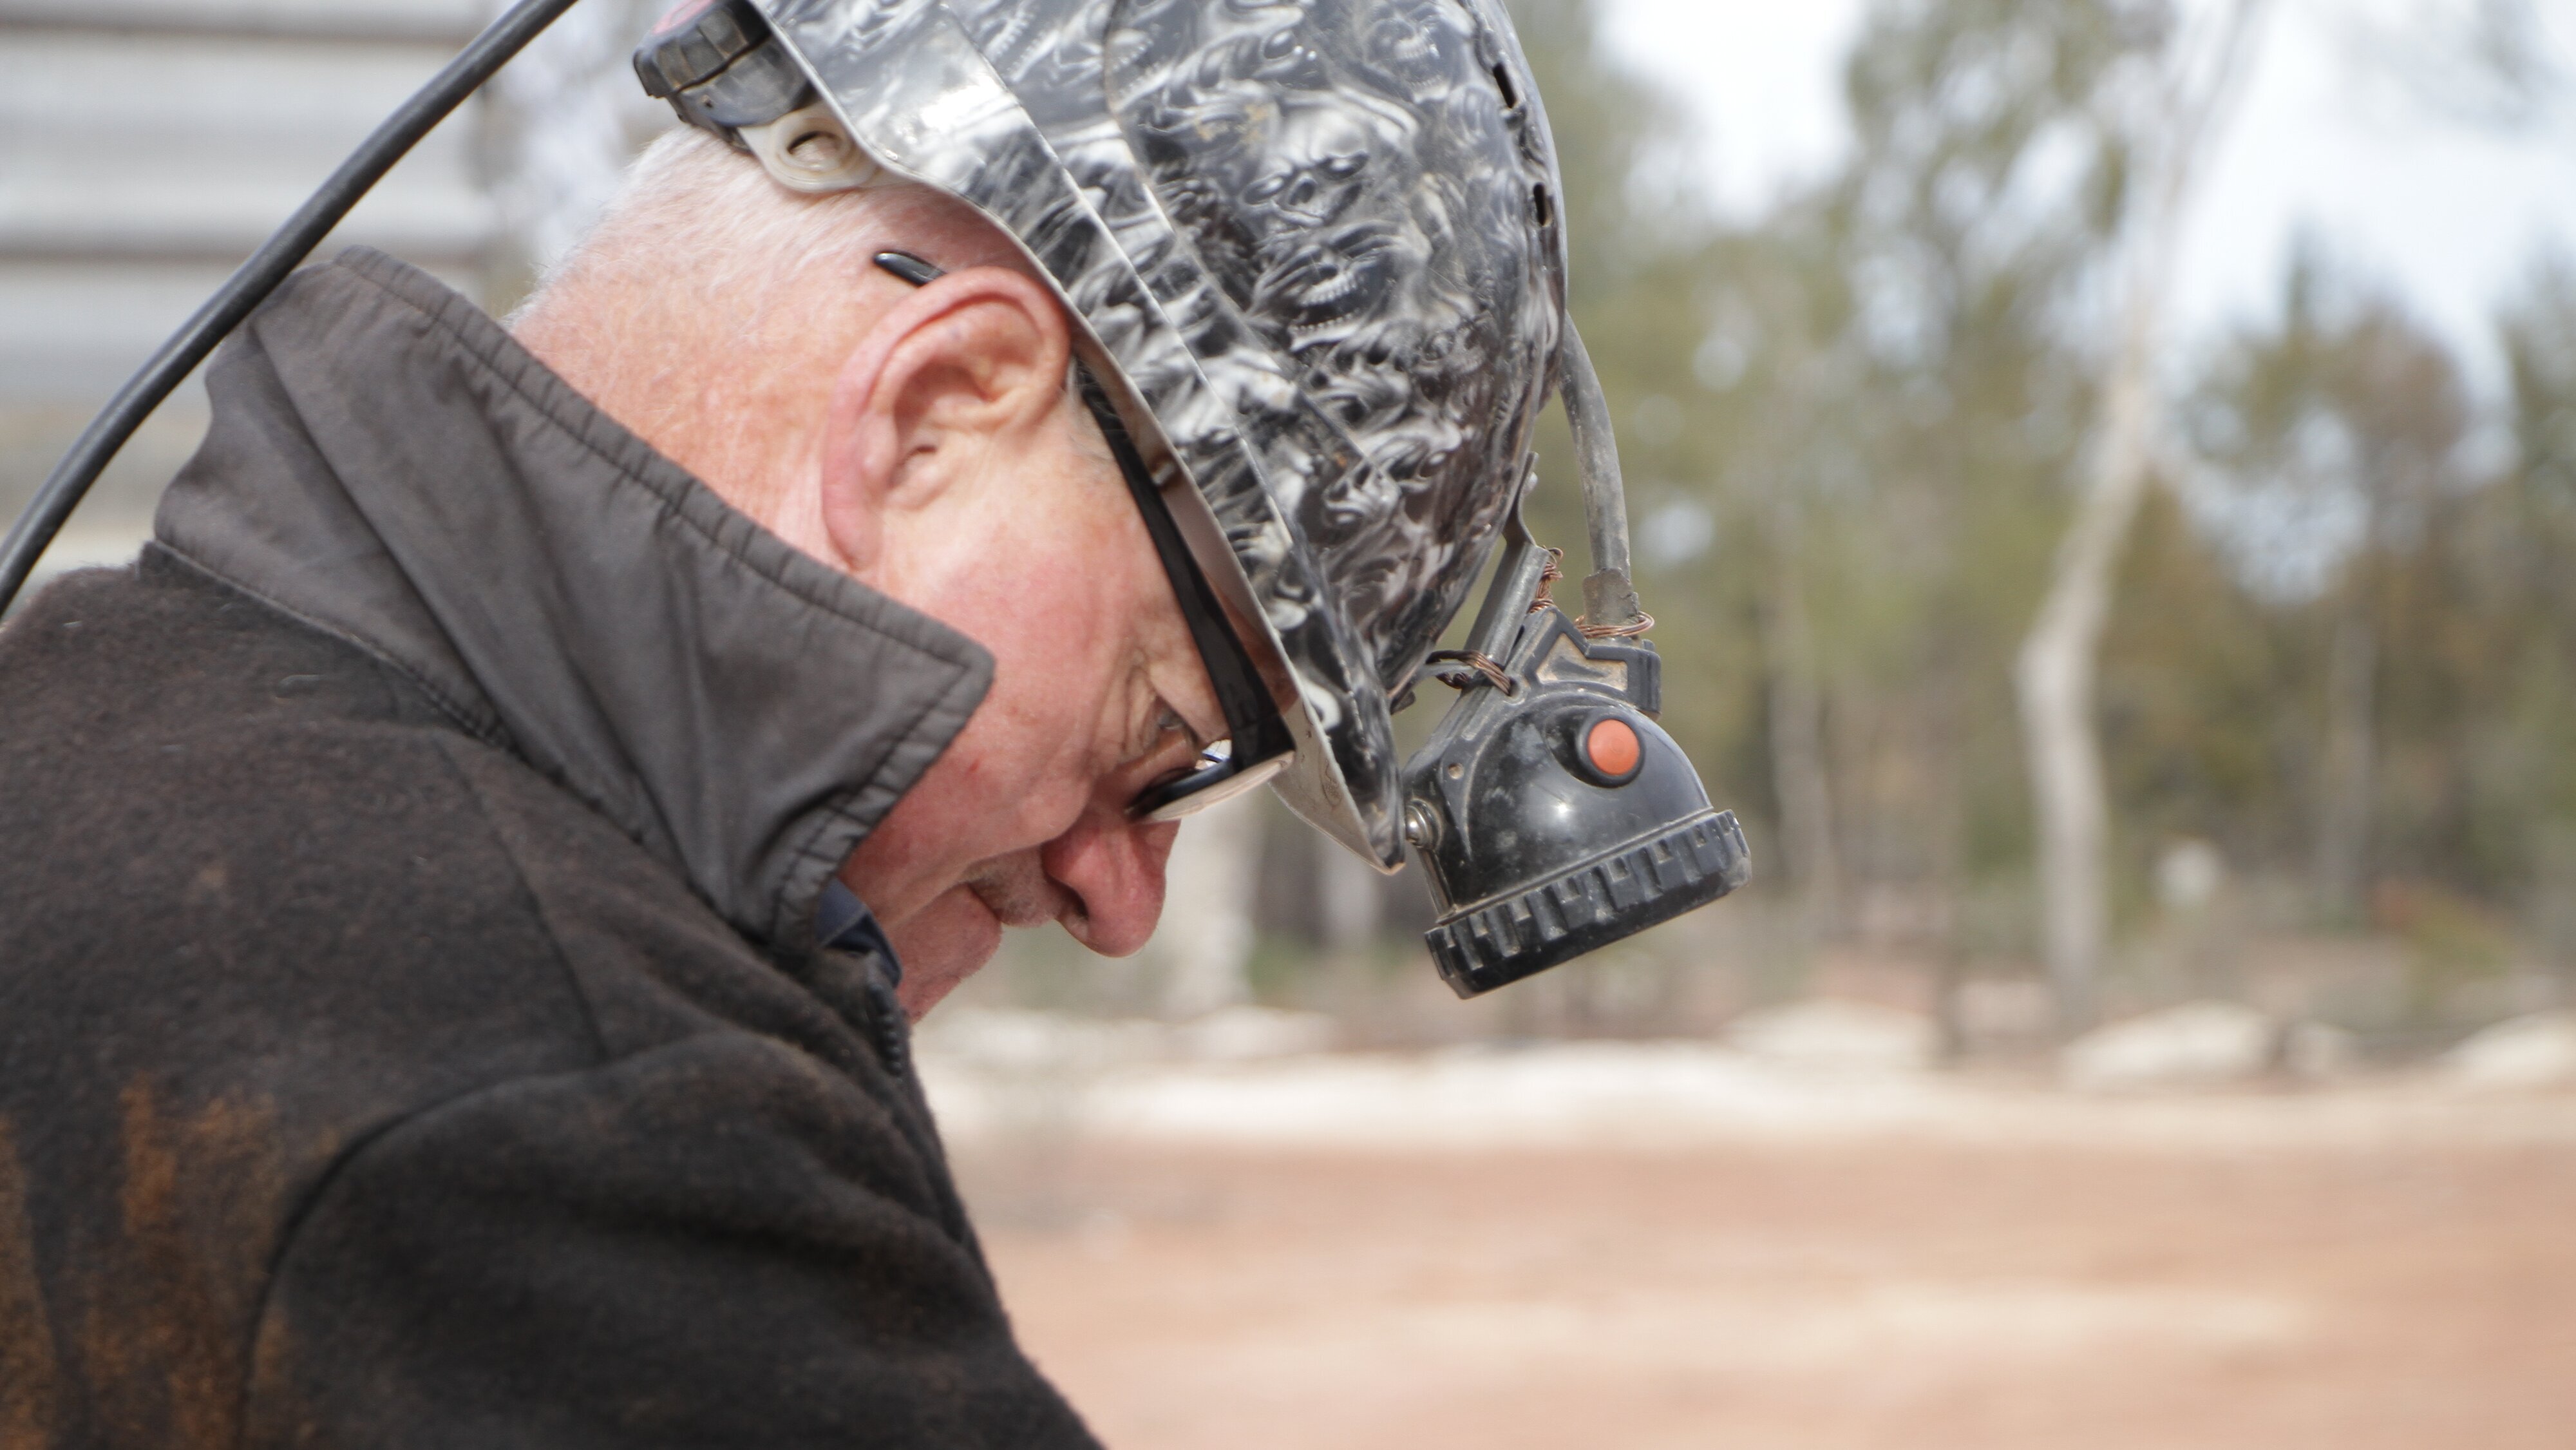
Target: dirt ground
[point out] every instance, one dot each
(1857, 1294)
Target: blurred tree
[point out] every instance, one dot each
(2518, 567)
(1865, 415)
(1882, 404)
(2336, 435)
(2165, 129)
(561, 124)
(2487, 62)
(1994, 184)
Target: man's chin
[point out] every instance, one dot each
(941, 946)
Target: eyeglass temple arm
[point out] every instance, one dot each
(1251, 716)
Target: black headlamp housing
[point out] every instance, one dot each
(1541, 842)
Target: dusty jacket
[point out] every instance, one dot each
(412, 1030)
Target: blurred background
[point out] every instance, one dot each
(2106, 473)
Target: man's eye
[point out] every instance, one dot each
(1167, 723)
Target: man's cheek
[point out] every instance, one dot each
(1002, 787)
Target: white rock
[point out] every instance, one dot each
(1012, 1041)
(1841, 1035)
(1242, 1034)
(2001, 1008)
(2320, 1053)
(2189, 874)
(1007, 1041)
(2534, 1051)
(2198, 1042)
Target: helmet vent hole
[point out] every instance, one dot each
(1544, 204)
(1511, 93)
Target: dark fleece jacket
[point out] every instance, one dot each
(412, 1031)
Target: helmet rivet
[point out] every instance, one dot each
(1421, 827)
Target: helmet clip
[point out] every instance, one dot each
(723, 69)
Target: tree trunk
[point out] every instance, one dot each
(2347, 785)
(1797, 712)
(1204, 945)
(2054, 675)
(2054, 679)
(1352, 899)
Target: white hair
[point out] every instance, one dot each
(709, 293)
(697, 220)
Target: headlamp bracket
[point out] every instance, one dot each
(1538, 851)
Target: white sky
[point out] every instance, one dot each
(2328, 139)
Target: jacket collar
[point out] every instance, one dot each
(387, 463)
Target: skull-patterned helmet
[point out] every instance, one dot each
(1316, 242)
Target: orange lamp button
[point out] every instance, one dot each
(1611, 745)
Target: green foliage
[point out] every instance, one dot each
(2195, 732)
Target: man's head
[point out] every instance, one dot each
(1317, 246)
(928, 443)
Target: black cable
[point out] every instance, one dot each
(250, 285)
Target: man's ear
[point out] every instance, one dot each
(972, 362)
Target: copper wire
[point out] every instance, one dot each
(1489, 672)
(1555, 571)
(1633, 628)
(1492, 674)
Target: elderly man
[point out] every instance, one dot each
(469, 879)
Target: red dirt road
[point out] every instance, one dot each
(1853, 1295)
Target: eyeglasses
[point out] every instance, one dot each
(1257, 744)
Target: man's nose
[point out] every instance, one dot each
(1116, 867)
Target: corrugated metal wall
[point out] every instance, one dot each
(147, 146)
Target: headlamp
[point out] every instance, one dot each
(1551, 813)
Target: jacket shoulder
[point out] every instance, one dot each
(250, 917)
(218, 814)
